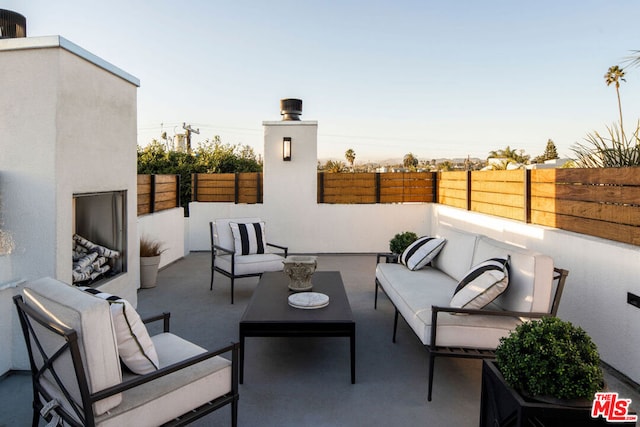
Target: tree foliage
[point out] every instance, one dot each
(508, 153)
(410, 161)
(211, 156)
(333, 166)
(613, 149)
(350, 155)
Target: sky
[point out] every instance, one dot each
(438, 79)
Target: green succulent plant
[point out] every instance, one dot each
(550, 357)
(401, 240)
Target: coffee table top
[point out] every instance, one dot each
(269, 302)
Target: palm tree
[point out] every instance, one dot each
(409, 161)
(614, 75)
(350, 155)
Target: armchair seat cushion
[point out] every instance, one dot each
(157, 402)
(251, 264)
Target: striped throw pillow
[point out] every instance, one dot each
(482, 284)
(248, 238)
(421, 252)
(135, 347)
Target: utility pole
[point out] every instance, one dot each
(189, 130)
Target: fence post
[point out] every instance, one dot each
(434, 188)
(236, 188)
(377, 187)
(194, 187)
(527, 196)
(468, 190)
(320, 187)
(258, 188)
(178, 194)
(152, 194)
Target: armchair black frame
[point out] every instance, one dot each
(232, 274)
(83, 410)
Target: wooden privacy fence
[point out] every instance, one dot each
(158, 192)
(598, 202)
(227, 187)
(376, 187)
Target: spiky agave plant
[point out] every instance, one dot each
(612, 151)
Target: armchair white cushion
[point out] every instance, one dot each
(239, 248)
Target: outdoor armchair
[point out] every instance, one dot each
(75, 352)
(239, 249)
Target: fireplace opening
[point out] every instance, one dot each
(99, 236)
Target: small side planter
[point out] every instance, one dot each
(149, 271)
(501, 405)
(150, 252)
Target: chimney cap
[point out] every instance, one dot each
(290, 109)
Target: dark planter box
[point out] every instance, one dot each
(501, 405)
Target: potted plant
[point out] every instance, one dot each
(545, 369)
(150, 251)
(401, 241)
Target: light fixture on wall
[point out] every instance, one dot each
(286, 149)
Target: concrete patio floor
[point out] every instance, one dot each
(305, 381)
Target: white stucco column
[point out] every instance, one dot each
(290, 185)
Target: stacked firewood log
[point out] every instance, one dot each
(90, 260)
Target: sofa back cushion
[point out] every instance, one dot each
(222, 234)
(456, 256)
(91, 319)
(530, 276)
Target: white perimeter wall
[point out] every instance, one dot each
(167, 227)
(601, 272)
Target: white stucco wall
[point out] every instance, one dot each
(168, 228)
(68, 124)
(290, 209)
(601, 272)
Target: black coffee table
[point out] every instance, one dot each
(269, 314)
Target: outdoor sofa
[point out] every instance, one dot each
(424, 297)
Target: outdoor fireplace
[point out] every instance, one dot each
(99, 236)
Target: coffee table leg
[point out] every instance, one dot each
(352, 339)
(241, 355)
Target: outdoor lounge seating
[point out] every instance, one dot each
(424, 297)
(239, 249)
(75, 351)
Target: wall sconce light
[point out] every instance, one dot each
(286, 149)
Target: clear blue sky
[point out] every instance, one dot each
(435, 78)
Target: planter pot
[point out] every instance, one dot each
(149, 271)
(501, 405)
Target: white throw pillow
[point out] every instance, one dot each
(482, 284)
(248, 238)
(421, 252)
(135, 347)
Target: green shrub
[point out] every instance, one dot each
(401, 240)
(550, 357)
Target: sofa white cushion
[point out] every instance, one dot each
(161, 400)
(530, 276)
(421, 252)
(456, 257)
(407, 290)
(91, 319)
(135, 347)
(248, 238)
(482, 284)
